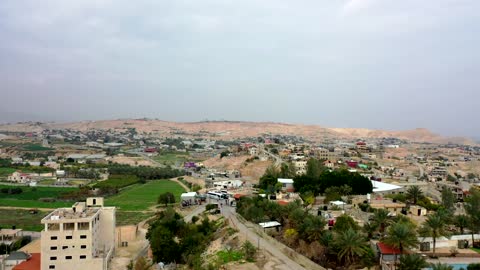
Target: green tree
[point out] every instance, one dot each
(315, 168)
(412, 262)
(414, 194)
(461, 222)
(312, 228)
(401, 235)
(351, 245)
(472, 208)
(166, 198)
(382, 219)
(448, 200)
(434, 226)
(344, 223)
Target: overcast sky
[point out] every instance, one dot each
(385, 64)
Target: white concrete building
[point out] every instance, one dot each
(80, 237)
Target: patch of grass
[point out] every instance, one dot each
(30, 197)
(118, 181)
(34, 204)
(35, 147)
(141, 197)
(131, 218)
(172, 158)
(47, 182)
(476, 249)
(21, 219)
(6, 171)
(226, 256)
(35, 193)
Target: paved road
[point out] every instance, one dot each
(420, 168)
(229, 213)
(278, 160)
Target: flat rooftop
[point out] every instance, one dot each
(63, 214)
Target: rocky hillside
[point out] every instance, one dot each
(229, 130)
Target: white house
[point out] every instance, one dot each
(253, 150)
(287, 184)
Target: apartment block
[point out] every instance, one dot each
(80, 237)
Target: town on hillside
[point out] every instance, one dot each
(127, 199)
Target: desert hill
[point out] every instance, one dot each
(231, 129)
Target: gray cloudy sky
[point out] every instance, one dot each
(386, 64)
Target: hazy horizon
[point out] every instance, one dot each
(378, 64)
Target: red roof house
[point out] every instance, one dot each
(33, 263)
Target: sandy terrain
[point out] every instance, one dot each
(133, 161)
(229, 130)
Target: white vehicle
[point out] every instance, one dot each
(216, 195)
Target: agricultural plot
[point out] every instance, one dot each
(22, 219)
(118, 181)
(30, 197)
(142, 197)
(131, 218)
(4, 172)
(172, 159)
(35, 147)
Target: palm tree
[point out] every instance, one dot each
(351, 244)
(382, 219)
(414, 193)
(401, 235)
(412, 262)
(440, 266)
(369, 228)
(313, 228)
(434, 226)
(461, 221)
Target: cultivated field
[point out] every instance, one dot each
(142, 197)
(30, 196)
(21, 219)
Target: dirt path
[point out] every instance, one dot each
(252, 236)
(187, 189)
(26, 208)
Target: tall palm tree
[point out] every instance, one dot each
(351, 244)
(369, 228)
(414, 193)
(401, 235)
(440, 266)
(412, 262)
(434, 226)
(313, 228)
(382, 219)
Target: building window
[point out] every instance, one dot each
(51, 267)
(83, 226)
(83, 246)
(53, 248)
(82, 257)
(53, 238)
(83, 237)
(53, 227)
(68, 257)
(53, 258)
(64, 247)
(68, 226)
(69, 237)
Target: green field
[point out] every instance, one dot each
(6, 171)
(35, 147)
(22, 219)
(172, 158)
(131, 218)
(140, 197)
(117, 181)
(30, 195)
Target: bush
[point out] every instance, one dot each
(211, 206)
(249, 250)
